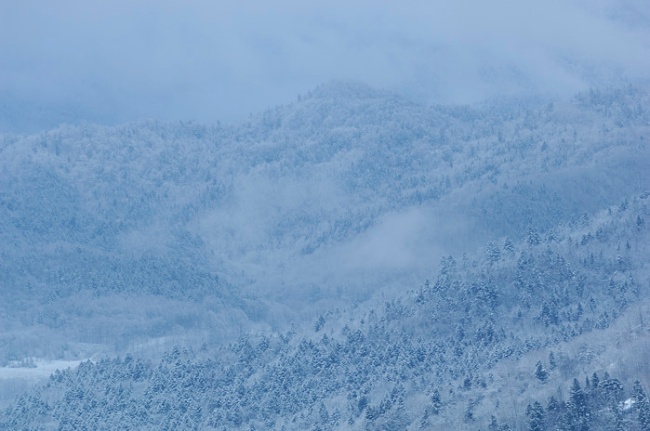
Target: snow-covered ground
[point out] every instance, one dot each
(42, 369)
(15, 380)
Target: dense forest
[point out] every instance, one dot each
(352, 260)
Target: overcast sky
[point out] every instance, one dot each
(119, 60)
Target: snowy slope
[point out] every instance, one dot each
(347, 192)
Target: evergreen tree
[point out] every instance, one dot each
(552, 364)
(540, 372)
(578, 412)
(535, 414)
(533, 238)
(578, 400)
(595, 381)
(619, 423)
(492, 252)
(436, 402)
(508, 246)
(642, 406)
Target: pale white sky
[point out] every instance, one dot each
(119, 60)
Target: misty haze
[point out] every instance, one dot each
(352, 216)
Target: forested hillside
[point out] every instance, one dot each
(549, 329)
(463, 262)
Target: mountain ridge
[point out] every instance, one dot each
(338, 198)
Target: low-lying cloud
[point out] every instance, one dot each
(121, 60)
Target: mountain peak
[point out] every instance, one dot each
(346, 90)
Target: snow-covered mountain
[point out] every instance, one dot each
(138, 237)
(499, 339)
